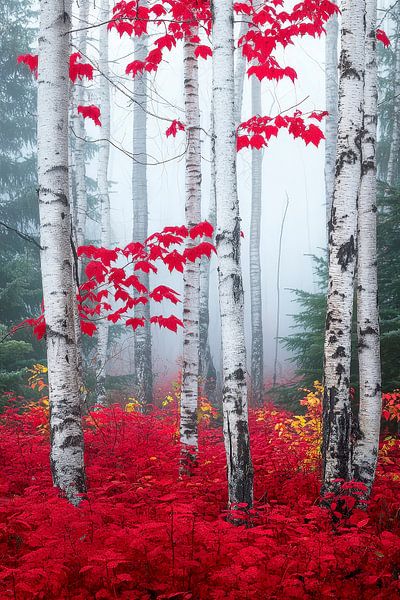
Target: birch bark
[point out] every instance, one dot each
(332, 99)
(142, 335)
(191, 276)
(79, 146)
(236, 434)
(369, 420)
(395, 141)
(104, 197)
(336, 447)
(67, 447)
(257, 358)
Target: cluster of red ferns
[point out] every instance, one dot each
(142, 533)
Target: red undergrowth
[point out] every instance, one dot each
(143, 534)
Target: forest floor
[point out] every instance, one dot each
(144, 534)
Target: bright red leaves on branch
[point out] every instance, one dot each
(174, 128)
(31, 61)
(90, 112)
(112, 288)
(257, 131)
(382, 37)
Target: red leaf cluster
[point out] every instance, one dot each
(142, 533)
(257, 131)
(113, 288)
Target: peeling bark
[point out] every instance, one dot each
(369, 418)
(336, 448)
(236, 434)
(67, 448)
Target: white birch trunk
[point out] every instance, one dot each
(67, 447)
(142, 335)
(208, 374)
(369, 420)
(332, 99)
(80, 132)
(336, 448)
(391, 177)
(257, 358)
(236, 434)
(240, 72)
(191, 276)
(104, 197)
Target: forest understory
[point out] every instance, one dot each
(141, 533)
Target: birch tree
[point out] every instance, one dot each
(207, 370)
(191, 276)
(395, 141)
(104, 197)
(79, 138)
(236, 434)
(336, 447)
(369, 419)
(142, 335)
(257, 358)
(332, 99)
(67, 451)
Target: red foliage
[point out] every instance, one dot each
(110, 274)
(144, 534)
(90, 112)
(382, 37)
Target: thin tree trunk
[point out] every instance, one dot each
(240, 72)
(332, 100)
(102, 182)
(257, 358)
(142, 336)
(336, 448)
(392, 170)
(208, 374)
(67, 447)
(236, 434)
(369, 420)
(191, 277)
(80, 131)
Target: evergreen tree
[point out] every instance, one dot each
(20, 285)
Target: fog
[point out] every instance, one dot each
(290, 170)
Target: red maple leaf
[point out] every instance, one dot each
(135, 323)
(31, 61)
(203, 52)
(88, 328)
(172, 323)
(382, 37)
(174, 128)
(90, 112)
(203, 229)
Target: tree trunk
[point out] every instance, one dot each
(191, 277)
(208, 373)
(102, 182)
(80, 131)
(142, 335)
(236, 434)
(332, 99)
(336, 448)
(392, 170)
(67, 448)
(369, 420)
(257, 358)
(240, 72)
